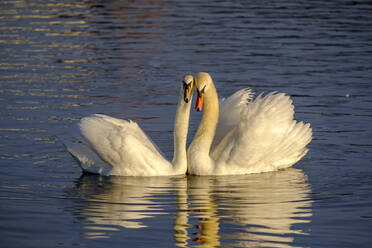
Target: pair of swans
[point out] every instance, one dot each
(238, 136)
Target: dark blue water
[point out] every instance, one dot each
(61, 61)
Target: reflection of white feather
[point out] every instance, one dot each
(262, 209)
(126, 201)
(259, 209)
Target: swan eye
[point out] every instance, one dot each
(187, 82)
(200, 91)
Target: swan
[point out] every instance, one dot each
(110, 146)
(252, 136)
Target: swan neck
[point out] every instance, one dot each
(207, 128)
(181, 125)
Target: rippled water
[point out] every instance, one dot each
(60, 61)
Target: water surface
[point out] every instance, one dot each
(61, 61)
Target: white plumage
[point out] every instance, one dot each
(239, 136)
(252, 136)
(111, 146)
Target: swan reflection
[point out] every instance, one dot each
(250, 210)
(122, 202)
(207, 211)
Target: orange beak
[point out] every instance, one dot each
(199, 101)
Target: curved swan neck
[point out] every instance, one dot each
(181, 126)
(207, 128)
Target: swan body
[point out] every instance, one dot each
(111, 146)
(252, 136)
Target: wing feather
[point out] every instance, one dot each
(229, 113)
(123, 145)
(266, 138)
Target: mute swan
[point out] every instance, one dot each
(110, 146)
(251, 137)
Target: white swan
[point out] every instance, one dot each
(251, 137)
(110, 146)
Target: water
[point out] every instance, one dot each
(60, 61)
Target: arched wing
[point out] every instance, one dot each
(266, 138)
(229, 113)
(122, 145)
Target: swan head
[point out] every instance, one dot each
(188, 87)
(203, 82)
